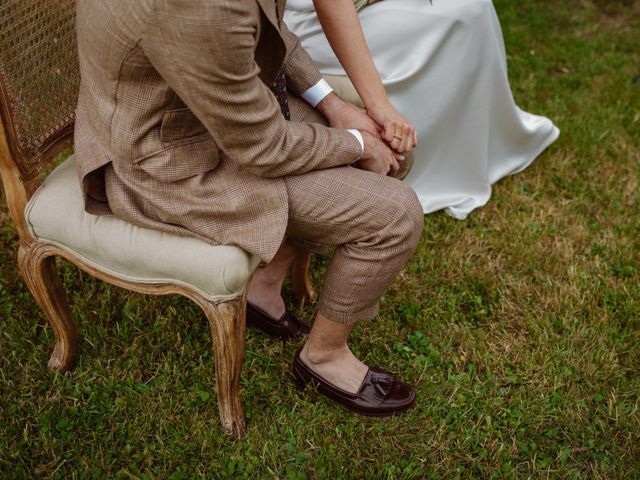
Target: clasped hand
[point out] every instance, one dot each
(395, 129)
(384, 142)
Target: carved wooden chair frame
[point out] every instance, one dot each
(21, 171)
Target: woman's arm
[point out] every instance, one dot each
(341, 25)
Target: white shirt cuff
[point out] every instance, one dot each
(316, 94)
(358, 136)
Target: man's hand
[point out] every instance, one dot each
(378, 157)
(341, 114)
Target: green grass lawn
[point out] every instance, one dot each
(519, 326)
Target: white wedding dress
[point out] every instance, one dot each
(444, 68)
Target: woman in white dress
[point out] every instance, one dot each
(443, 66)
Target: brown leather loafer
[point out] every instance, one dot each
(285, 328)
(380, 394)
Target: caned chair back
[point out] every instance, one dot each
(39, 79)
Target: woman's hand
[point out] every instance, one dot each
(395, 129)
(341, 25)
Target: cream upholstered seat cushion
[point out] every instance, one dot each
(56, 216)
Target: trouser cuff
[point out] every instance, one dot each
(347, 318)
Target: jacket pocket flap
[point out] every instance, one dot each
(180, 124)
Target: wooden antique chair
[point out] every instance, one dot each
(39, 80)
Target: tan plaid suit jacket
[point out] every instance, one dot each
(176, 128)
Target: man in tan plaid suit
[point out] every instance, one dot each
(177, 129)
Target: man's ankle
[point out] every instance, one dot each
(267, 279)
(320, 356)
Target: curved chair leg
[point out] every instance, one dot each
(227, 324)
(300, 283)
(38, 268)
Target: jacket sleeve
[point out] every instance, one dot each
(205, 52)
(301, 72)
